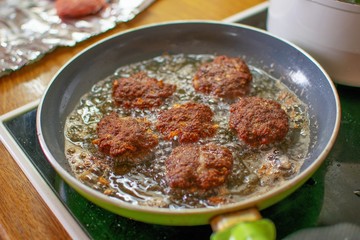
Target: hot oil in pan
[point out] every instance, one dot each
(254, 171)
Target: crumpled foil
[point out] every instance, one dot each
(30, 29)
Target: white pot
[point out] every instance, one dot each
(329, 30)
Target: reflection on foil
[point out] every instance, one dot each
(29, 29)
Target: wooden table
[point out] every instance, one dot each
(23, 213)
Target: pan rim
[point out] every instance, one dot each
(254, 201)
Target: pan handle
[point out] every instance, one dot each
(242, 225)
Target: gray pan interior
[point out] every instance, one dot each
(260, 49)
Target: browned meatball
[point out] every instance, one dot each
(187, 122)
(224, 77)
(124, 136)
(141, 91)
(193, 166)
(258, 121)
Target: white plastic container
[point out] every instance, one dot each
(329, 30)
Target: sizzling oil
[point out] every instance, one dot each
(254, 171)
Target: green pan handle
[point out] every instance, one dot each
(263, 229)
(243, 225)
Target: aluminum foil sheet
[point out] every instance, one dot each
(29, 29)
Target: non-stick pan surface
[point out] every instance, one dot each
(260, 49)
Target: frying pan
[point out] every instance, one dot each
(296, 69)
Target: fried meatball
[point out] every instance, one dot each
(186, 123)
(193, 166)
(258, 121)
(124, 136)
(224, 77)
(141, 91)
